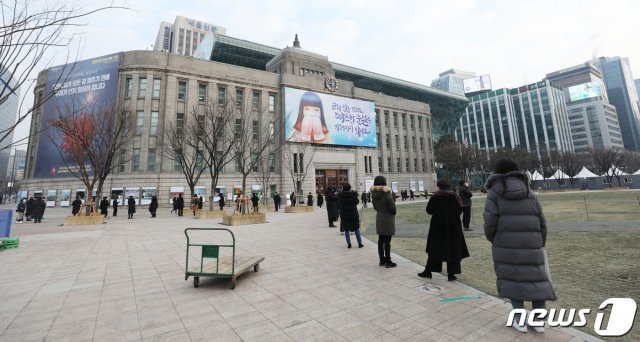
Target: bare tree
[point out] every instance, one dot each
(183, 143)
(213, 125)
(607, 162)
(266, 173)
(30, 31)
(296, 160)
(570, 163)
(254, 134)
(89, 140)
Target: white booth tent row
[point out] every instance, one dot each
(585, 180)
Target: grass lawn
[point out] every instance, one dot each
(586, 267)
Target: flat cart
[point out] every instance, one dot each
(224, 266)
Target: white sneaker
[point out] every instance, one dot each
(520, 328)
(538, 329)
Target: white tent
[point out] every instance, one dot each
(536, 176)
(616, 171)
(585, 173)
(637, 172)
(560, 175)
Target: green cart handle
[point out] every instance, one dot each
(233, 246)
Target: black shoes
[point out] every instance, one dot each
(425, 274)
(382, 263)
(348, 245)
(360, 245)
(390, 264)
(451, 277)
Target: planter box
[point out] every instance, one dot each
(239, 220)
(84, 220)
(207, 214)
(304, 209)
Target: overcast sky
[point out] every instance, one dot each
(516, 42)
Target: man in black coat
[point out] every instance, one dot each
(363, 198)
(38, 209)
(320, 200)
(104, 206)
(76, 204)
(254, 201)
(115, 206)
(180, 204)
(221, 201)
(332, 206)
(465, 195)
(29, 211)
(131, 203)
(276, 201)
(349, 218)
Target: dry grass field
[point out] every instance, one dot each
(587, 266)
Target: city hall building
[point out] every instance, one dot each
(160, 88)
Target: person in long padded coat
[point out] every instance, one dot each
(349, 218)
(153, 206)
(332, 206)
(385, 207)
(104, 206)
(38, 209)
(445, 241)
(131, 203)
(516, 227)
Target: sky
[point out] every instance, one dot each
(516, 42)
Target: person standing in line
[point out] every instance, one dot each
(332, 206)
(363, 197)
(350, 220)
(385, 208)
(310, 200)
(29, 208)
(255, 201)
(517, 229)
(221, 201)
(104, 207)
(320, 200)
(174, 202)
(465, 195)
(115, 206)
(293, 198)
(200, 203)
(180, 204)
(153, 207)
(131, 202)
(75, 206)
(445, 241)
(38, 209)
(20, 210)
(194, 204)
(276, 201)
(411, 196)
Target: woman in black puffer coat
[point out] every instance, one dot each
(349, 218)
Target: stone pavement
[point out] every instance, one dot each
(124, 281)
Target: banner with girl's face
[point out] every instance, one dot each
(326, 119)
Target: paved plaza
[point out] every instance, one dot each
(124, 281)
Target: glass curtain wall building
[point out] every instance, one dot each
(452, 80)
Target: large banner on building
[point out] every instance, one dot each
(326, 119)
(79, 88)
(584, 91)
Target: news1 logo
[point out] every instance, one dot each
(623, 312)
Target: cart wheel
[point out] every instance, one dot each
(196, 282)
(256, 268)
(232, 283)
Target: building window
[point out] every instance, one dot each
(272, 103)
(413, 142)
(406, 164)
(389, 165)
(139, 123)
(156, 87)
(379, 164)
(411, 122)
(397, 142)
(151, 160)
(272, 162)
(182, 90)
(415, 165)
(135, 165)
(404, 120)
(255, 130)
(256, 100)
(395, 119)
(423, 166)
(128, 87)
(404, 142)
(153, 130)
(419, 123)
(176, 165)
(202, 92)
(179, 124)
(387, 141)
(121, 162)
(239, 98)
(377, 117)
(238, 128)
(142, 87)
(398, 165)
(222, 95)
(421, 144)
(366, 165)
(237, 164)
(386, 118)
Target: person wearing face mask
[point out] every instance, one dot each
(310, 125)
(465, 194)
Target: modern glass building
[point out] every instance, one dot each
(451, 80)
(621, 90)
(9, 98)
(533, 116)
